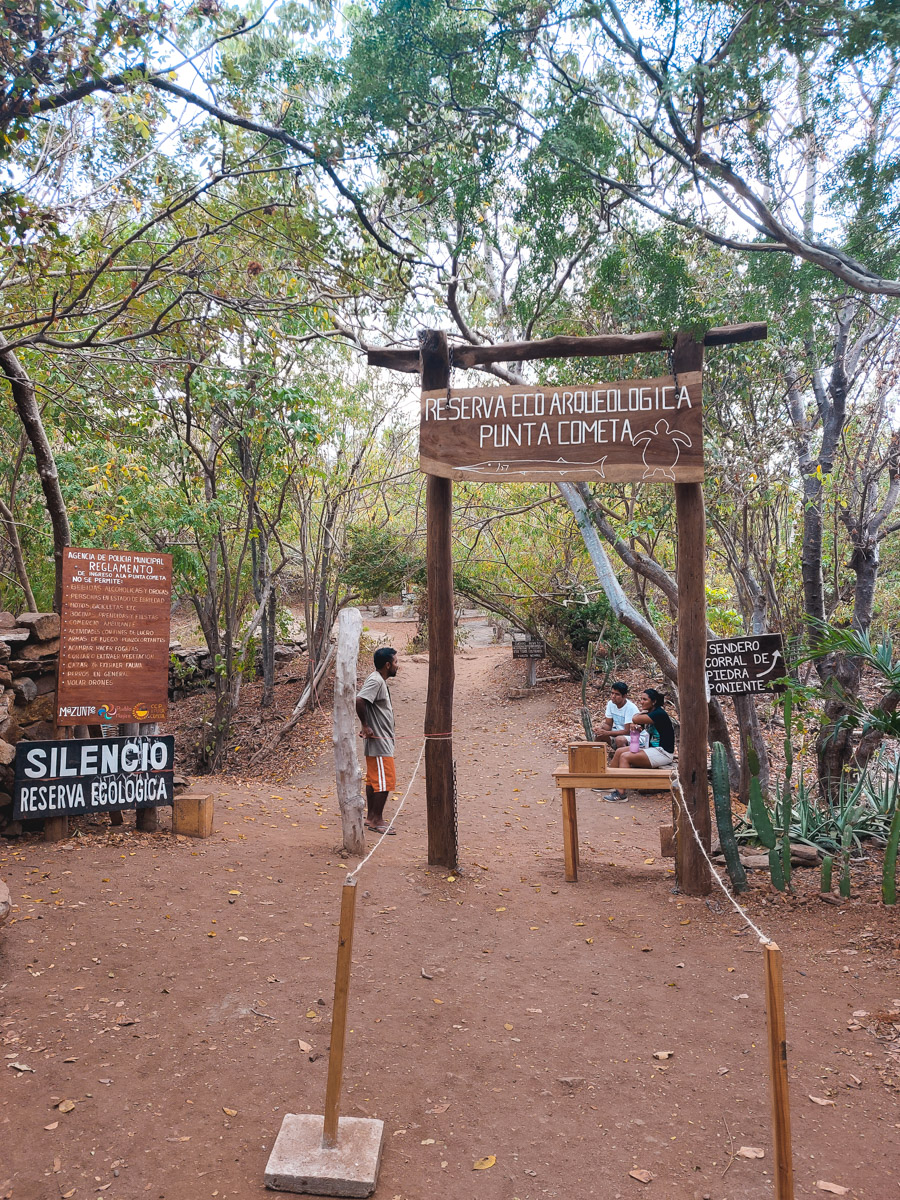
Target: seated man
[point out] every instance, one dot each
(654, 719)
(619, 711)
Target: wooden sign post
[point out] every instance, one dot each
(648, 429)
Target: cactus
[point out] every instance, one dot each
(889, 875)
(585, 679)
(724, 820)
(846, 842)
(762, 822)
(825, 883)
(786, 797)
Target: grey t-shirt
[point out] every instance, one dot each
(381, 717)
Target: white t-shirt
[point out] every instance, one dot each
(620, 715)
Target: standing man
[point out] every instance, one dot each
(376, 718)
(619, 711)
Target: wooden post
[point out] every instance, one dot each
(439, 790)
(346, 759)
(531, 677)
(147, 819)
(778, 1076)
(339, 1015)
(570, 834)
(691, 871)
(56, 829)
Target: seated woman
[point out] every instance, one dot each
(655, 720)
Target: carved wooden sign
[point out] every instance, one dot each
(631, 430)
(114, 648)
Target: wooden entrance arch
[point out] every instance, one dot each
(433, 363)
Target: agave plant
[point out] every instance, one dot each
(864, 806)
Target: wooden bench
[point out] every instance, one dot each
(587, 768)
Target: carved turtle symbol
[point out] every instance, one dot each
(667, 443)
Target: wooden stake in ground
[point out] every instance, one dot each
(778, 1076)
(439, 790)
(691, 871)
(344, 732)
(330, 1156)
(339, 1015)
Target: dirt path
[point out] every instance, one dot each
(159, 983)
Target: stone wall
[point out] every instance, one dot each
(29, 656)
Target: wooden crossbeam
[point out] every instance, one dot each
(602, 346)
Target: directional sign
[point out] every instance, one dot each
(745, 666)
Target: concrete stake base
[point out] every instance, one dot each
(299, 1162)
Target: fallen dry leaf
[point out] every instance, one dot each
(820, 1100)
(66, 1195)
(17, 1066)
(230, 1112)
(427, 1142)
(640, 1175)
(484, 1164)
(52, 1125)
(438, 1108)
(66, 1106)
(304, 1046)
(750, 1152)
(662, 1055)
(834, 1189)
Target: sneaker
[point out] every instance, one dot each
(617, 797)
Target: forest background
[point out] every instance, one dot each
(209, 212)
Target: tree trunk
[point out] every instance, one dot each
(267, 650)
(30, 415)
(12, 535)
(346, 759)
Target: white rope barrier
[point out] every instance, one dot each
(680, 801)
(358, 868)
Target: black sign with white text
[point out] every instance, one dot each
(525, 646)
(746, 665)
(85, 775)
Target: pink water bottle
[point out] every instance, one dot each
(635, 743)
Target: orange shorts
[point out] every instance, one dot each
(381, 775)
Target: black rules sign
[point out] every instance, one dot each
(745, 666)
(85, 775)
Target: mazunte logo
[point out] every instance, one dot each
(107, 712)
(141, 712)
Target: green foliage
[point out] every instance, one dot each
(889, 872)
(878, 658)
(724, 819)
(582, 620)
(378, 561)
